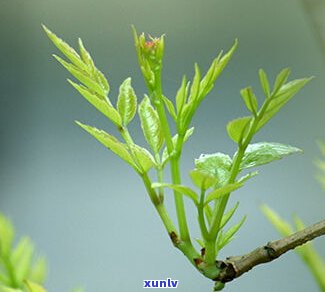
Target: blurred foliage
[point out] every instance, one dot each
(18, 270)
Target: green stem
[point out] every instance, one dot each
(174, 159)
(186, 247)
(200, 209)
(160, 176)
(235, 169)
(209, 243)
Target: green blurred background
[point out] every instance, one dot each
(85, 209)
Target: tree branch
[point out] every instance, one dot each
(234, 267)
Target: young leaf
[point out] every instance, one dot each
(237, 129)
(283, 95)
(218, 164)
(181, 96)
(143, 158)
(280, 80)
(91, 84)
(103, 105)
(110, 142)
(264, 82)
(207, 81)
(195, 88)
(181, 189)
(249, 99)
(216, 68)
(262, 153)
(226, 217)
(127, 102)
(247, 176)
(69, 52)
(222, 191)
(203, 179)
(150, 124)
(93, 71)
(170, 107)
(229, 234)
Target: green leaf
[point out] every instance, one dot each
(170, 107)
(22, 258)
(69, 52)
(203, 179)
(92, 85)
(150, 124)
(208, 80)
(264, 82)
(227, 216)
(127, 102)
(222, 191)
(110, 142)
(237, 129)
(165, 155)
(247, 176)
(283, 95)
(249, 99)
(143, 157)
(262, 153)
(103, 105)
(180, 189)
(216, 68)
(218, 164)
(7, 233)
(280, 80)
(229, 234)
(195, 88)
(93, 71)
(181, 96)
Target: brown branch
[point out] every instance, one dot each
(234, 267)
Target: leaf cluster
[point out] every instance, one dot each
(19, 272)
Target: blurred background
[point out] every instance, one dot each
(84, 208)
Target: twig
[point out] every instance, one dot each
(234, 267)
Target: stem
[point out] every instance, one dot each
(235, 169)
(200, 208)
(174, 159)
(186, 247)
(234, 267)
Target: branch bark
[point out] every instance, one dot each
(234, 267)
